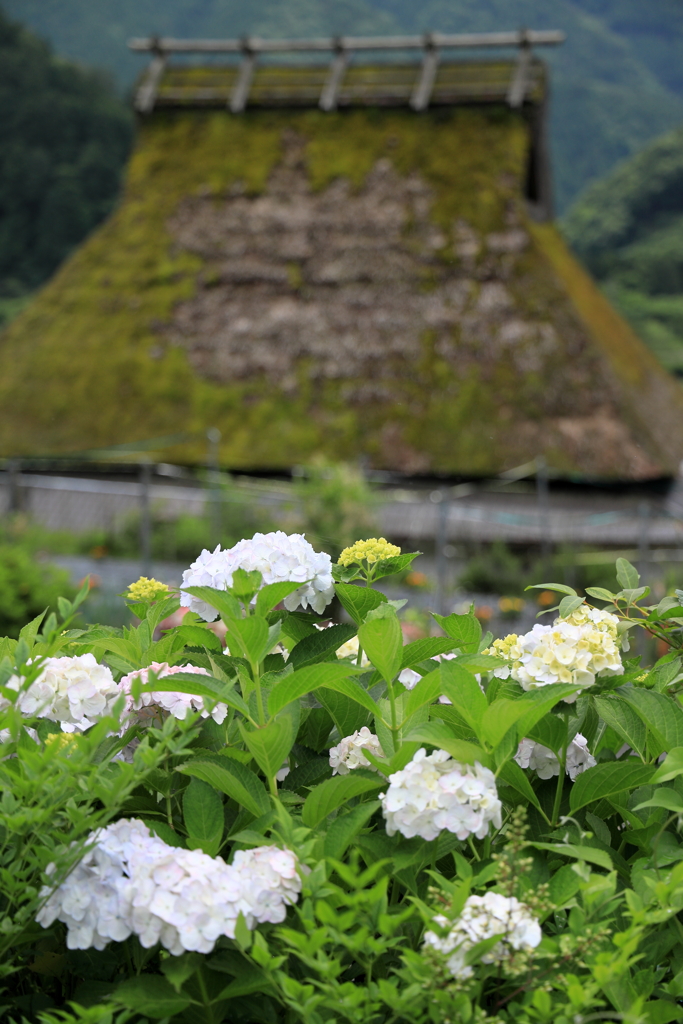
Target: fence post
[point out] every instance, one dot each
(440, 540)
(145, 519)
(14, 495)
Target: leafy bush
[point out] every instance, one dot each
(506, 847)
(27, 587)
(336, 505)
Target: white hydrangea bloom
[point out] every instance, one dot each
(350, 650)
(546, 765)
(76, 692)
(278, 557)
(572, 650)
(175, 703)
(348, 754)
(410, 678)
(483, 917)
(131, 882)
(435, 792)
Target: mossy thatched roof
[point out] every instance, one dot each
(356, 283)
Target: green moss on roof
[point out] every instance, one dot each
(90, 362)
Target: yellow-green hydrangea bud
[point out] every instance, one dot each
(373, 550)
(147, 590)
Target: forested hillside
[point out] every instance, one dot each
(628, 230)
(64, 135)
(617, 82)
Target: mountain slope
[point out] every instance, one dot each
(628, 230)
(65, 137)
(608, 100)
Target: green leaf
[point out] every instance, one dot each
(30, 631)
(347, 714)
(621, 717)
(334, 792)
(306, 680)
(569, 605)
(600, 593)
(424, 692)
(538, 703)
(389, 566)
(669, 799)
(513, 776)
(559, 588)
(608, 779)
(660, 713)
(346, 827)
(382, 641)
(464, 693)
(320, 645)
(225, 604)
(250, 637)
(587, 853)
(232, 778)
(307, 774)
(270, 744)
(358, 601)
(422, 650)
(464, 629)
(203, 817)
(628, 576)
(498, 718)
(438, 734)
(672, 766)
(150, 995)
(564, 885)
(198, 636)
(272, 594)
(198, 686)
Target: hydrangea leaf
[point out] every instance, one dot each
(203, 817)
(273, 593)
(609, 779)
(233, 779)
(621, 717)
(382, 641)
(464, 693)
(305, 680)
(628, 576)
(427, 647)
(150, 995)
(332, 793)
(464, 629)
(662, 716)
(346, 827)
(358, 601)
(270, 744)
(320, 645)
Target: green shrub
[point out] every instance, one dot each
(27, 587)
(542, 832)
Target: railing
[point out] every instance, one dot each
(342, 48)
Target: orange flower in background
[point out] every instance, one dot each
(546, 598)
(484, 612)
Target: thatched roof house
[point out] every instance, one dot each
(365, 279)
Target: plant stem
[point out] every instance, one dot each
(560, 779)
(169, 811)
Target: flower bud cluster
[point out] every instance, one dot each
(132, 883)
(145, 589)
(348, 754)
(434, 792)
(483, 917)
(76, 692)
(279, 557)
(572, 650)
(175, 704)
(544, 762)
(374, 550)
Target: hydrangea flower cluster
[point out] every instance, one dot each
(76, 692)
(546, 765)
(572, 650)
(348, 754)
(483, 917)
(370, 551)
(175, 704)
(145, 589)
(434, 792)
(132, 883)
(279, 557)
